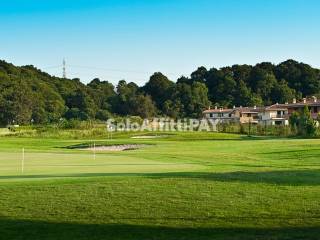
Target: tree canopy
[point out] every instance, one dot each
(28, 95)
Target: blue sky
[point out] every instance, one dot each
(131, 39)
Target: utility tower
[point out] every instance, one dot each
(64, 74)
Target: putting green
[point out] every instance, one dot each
(84, 164)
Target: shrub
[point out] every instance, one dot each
(303, 123)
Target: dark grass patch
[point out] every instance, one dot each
(28, 229)
(286, 178)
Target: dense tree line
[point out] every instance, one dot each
(28, 95)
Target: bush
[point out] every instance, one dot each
(12, 129)
(69, 124)
(303, 123)
(103, 115)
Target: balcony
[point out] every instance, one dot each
(281, 116)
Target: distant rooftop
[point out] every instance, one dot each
(313, 102)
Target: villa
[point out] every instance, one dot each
(313, 105)
(274, 115)
(248, 115)
(277, 114)
(220, 115)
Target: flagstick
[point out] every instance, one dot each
(94, 151)
(22, 162)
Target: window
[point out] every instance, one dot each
(315, 109)
(278, 123)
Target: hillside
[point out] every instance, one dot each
(29, 95)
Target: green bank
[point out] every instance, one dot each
(178, 186)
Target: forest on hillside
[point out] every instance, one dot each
(29, 95)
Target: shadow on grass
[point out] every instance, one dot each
(218, 139)
(299, 151)
(175, 138)
(296, 178)
(90, 145)
(297, 154)
(27, 229)
(290, 178)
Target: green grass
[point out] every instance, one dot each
(182, 186)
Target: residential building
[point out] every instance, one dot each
(247, 114)
(220, 115)
(235, 115)
(312, 103)
(277, 114)
(274, 115)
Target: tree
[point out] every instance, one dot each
(103, 115)
(101, 92)
(243, 95)
(16, 102)
(28, 93)
(200, 75)
(307, 126)
(221, 86)
(304, 79)
(303, 123)
(82, 104)
(143, 106)
(199, 100)
(188, 100)
(125, 97)
(173, 108)
(282, 93)
(262, 82)
(241, 72)
(159, 88)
